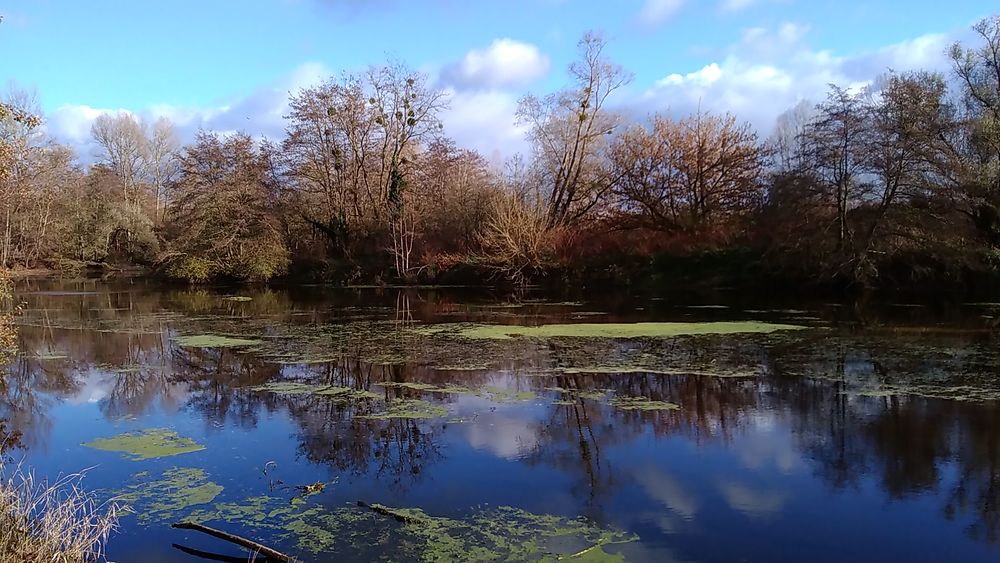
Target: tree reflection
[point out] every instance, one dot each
(115, 348)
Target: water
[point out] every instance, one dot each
(872, 435)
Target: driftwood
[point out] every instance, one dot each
(379, 509)
(249, 544)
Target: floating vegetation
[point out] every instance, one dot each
(409, 408)
(606, 330)
(470, 367)
(642, 404)
(50, 356)
(214, 341)
(410, 385)
(297, 388)
(966, 393)
(503, 395)
(492, 393)
(300, 388)
(147, 444)
(377, 531)
(627, 369)
(169, 497)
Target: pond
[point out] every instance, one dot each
(359, 424)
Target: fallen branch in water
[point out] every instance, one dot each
(208, 556)
(580, 553)
(249, 544)
(379, 509)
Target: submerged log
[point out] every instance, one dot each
(379, 509)
(232, 538)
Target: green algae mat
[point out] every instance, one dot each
(502, 533)
(607, 330)
(147, 444)
(214, 341)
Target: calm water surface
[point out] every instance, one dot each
(872, 435)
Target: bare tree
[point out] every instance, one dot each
(834, 149)
(162, 162)
(350, 147)
(693, 176)
(122, 142)
(569, 131)
(978, 72)
(787, 136)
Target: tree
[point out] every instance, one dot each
(223, 221)
(834, 152)
(569, 131)
(978, 73)
(122, 142)
(19, 141)
(452, 190)
(910, 121)
(161, 162)
(350, 146)
(788, 135)
(695, 176)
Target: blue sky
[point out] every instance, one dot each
(227, 64)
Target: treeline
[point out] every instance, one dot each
(884, 186)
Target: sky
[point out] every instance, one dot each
(229, 65)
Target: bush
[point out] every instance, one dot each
(516, 238)
(191, 268)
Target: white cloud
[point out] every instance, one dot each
(260, 113)
(505, 437)
(504, 63)
(655, 12)
(663, 487)
(485, 121)
(753, 503)
(771, 70)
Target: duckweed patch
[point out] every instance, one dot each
(504, 395)
(172, 495)
(409, 408)
(642, 404)
(965, 393)
(377, 531)
(491, 393)
(300, 388)
(629, 369)
(606, 330)
(147, 444)
(214, 341)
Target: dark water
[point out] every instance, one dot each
(873, 435)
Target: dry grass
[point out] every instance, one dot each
(51, 522)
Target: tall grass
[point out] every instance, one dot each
(51, 522)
